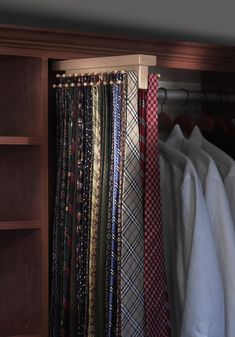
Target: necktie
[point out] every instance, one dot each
(95, 207)
(112, 288)
(156, 300)
(109, 223)
(78, 162)
(68, 220)
(132, 268)
(121, 186)
(142, 101)
(86, 215)
(73, 135)
(57, 263)
(106, 117)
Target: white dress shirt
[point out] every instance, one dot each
(224, 163)
(221, 218)
(193, 275)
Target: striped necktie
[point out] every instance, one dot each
(132, 236)
(112, 287)
(156, 299)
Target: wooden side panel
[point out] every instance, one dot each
(45, 194)
(24, 197)
(20, 282)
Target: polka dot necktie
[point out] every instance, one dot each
(155, 290)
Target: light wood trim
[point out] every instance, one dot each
(106, 62)
(139, 63)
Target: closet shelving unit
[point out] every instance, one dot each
(27, 172)
(23, 196)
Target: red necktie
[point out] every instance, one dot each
(156, 298)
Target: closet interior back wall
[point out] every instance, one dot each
(180, 79)
(220, 83)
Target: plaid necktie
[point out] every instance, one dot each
(95, 207)
(132, 268)
(112, 288)
(156, 299)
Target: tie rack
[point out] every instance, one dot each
(138, 63)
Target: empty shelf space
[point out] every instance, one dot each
(5, 140)
(21, 283)
(20, 178)
(21, 103)
(9, 225)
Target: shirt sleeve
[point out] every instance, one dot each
(203, 313)
(229, 183)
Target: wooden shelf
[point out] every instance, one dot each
(19, 140)
(9, 225)
(28, 335)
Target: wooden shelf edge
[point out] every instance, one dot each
(6, 140)
(9, 225)
(29, 335)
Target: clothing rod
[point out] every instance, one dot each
(185, 96)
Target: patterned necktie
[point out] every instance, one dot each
(95, 207)
(109, 223)
(78, 145)
(86, 215)
(142, 102)
(121, 188)
(132, 268)
(68, 270)
(156, 299)
(106, 117)
(112, 288)
(57, 263)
